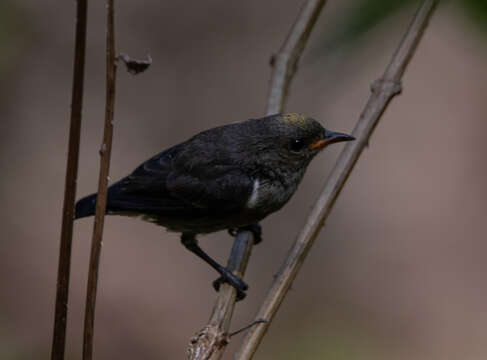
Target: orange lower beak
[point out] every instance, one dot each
(330, 137)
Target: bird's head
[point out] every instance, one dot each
(299, 138)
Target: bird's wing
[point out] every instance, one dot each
(227, 189)
(171, 184)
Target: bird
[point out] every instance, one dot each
(225, 178)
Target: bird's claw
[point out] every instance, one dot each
(226, 275)
(235, 281)
(255, 229)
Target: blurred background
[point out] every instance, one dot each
(398, 270)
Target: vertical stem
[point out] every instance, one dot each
(105, 153)
(64, 266)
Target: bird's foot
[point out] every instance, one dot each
(228, 277)
(255, 229)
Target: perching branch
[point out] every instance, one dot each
(101, 201)
(383, 90)
(64, 266)
(210, 342)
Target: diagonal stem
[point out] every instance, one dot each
(383, 90)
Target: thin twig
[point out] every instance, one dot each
(246, 327)
(101, 201)
(383, 90)
(210, 342)
(64, 266)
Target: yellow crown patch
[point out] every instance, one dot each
(295, 119)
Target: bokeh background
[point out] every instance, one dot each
(397, 273)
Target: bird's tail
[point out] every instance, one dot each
(85, 207)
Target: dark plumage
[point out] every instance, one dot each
(222, 178)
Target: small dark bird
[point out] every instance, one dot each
(228, 177)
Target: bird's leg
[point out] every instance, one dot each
(255, 229)
(189, 241)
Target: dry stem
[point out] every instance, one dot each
(210, 342)
(101, 201)
(64, 266)
(383, 90)
(286, 61)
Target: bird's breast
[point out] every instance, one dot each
(269, 195)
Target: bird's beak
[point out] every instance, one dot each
(330, 137)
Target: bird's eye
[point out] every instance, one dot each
(297, 145)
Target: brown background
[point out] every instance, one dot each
(398, 271)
